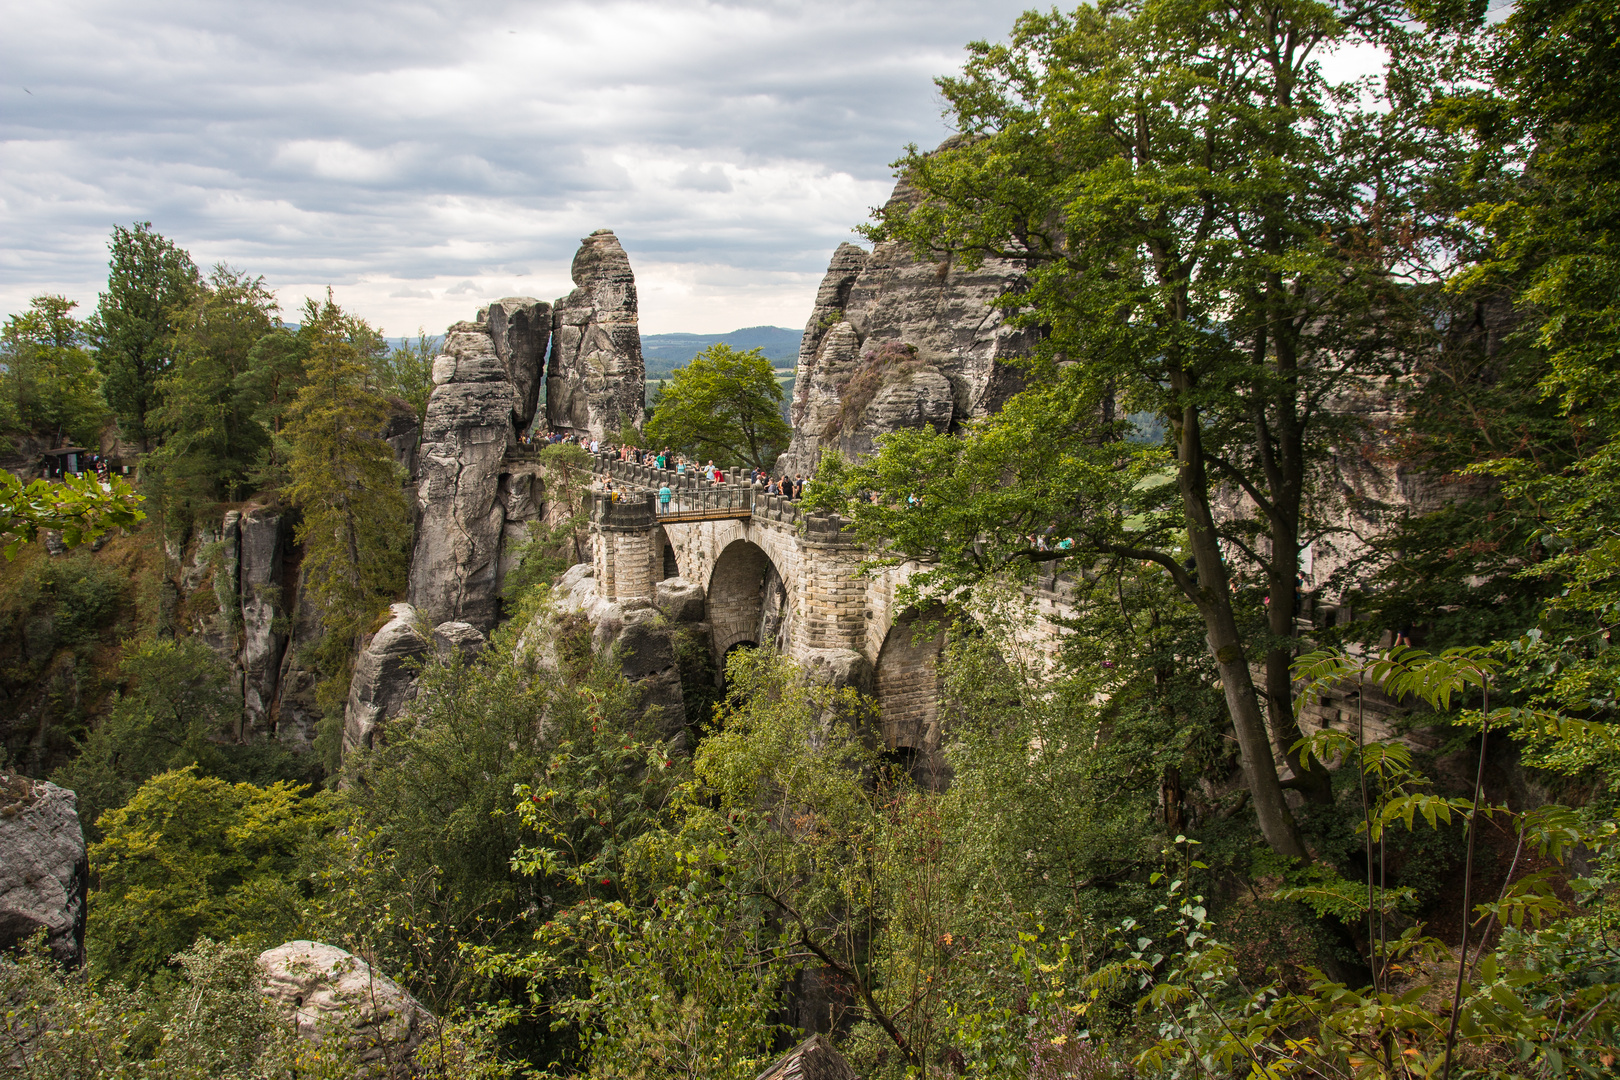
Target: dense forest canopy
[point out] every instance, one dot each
(1135, 857)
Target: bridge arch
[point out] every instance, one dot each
(907, 686)
(746, 598)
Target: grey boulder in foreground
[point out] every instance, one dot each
(44, 875)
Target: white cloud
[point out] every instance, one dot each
(401, 153)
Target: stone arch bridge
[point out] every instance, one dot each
(772, 575)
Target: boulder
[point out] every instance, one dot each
(595, 377)
(680, 600)
(384, 677)
(813, 1059)
(328, 993)
(461, 639)
(839, 667)
(44, 875)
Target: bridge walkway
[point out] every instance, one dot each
(693, 497)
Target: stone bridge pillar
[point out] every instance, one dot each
(623, 545)
(833, 605)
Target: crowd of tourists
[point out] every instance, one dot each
(55, 466)
(785, 486)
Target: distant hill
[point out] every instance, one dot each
(666, 352)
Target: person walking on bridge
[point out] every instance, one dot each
(663, 498)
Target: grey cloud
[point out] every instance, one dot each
(320, 142)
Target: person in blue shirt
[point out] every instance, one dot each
(663, 498)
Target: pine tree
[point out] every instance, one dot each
(355, 528)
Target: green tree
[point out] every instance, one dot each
(191, 855)
(148, 280)
(213, 1023)
(407, 371)
(211, 432)
(178, 709)
(1545, 178)
(1190, 195)
(725, 405)
(343, 478)
(48, 380)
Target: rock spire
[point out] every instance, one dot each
(595, 378)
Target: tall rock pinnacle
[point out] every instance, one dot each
(595, 379)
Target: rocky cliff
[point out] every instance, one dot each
(43, 872)
(595, 379)
(895, 343)
(474, 497)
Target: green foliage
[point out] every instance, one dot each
(48, 381)
(407, 371)
(212, 1024)
(179, 709)
(342, 476)
(191, 855)
(558, 541)
(78, 506)
(1188, 190)
(683, 981)
(724, 406)
(210, 394)
(149, 281)
(445, 872)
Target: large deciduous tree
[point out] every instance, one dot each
(725, 405)
(148, 281)
(1215, 235)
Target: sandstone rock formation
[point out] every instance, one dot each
(469, 499)
(641, 633)
(384, 679)
(595, 379)
(329, 993)
(520, 329)
(454, 567)
(895, 343)
(43, 872)
(260, 539)
(813, 1059)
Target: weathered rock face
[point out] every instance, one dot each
(520, 329)
(595, 379)
(260, 542)
(384, 678)
(457, 639)
(641, 634)
(895, 343)
(454, 567)
(43, 872)
(329, 993)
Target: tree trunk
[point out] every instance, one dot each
(1311, 777)
(1213, 597)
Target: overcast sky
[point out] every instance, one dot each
(422, 158)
